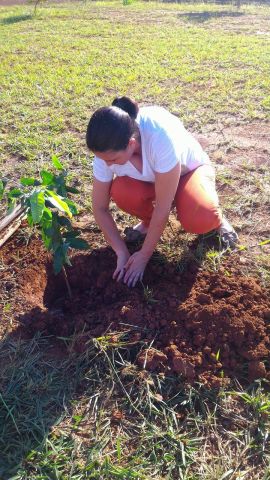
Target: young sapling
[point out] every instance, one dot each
(46, 204)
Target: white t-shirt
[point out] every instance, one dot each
(164, 141)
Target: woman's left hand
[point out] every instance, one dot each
(135, 267)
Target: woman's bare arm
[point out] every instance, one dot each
(103, 217)
(165, 187)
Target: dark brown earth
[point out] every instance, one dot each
(205, 326)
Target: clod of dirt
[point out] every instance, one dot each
(117, 416)
(204, 298)
(151, 359)
(256, 370)
(179, 364)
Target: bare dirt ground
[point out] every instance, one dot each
(204, 325)
(241, 153)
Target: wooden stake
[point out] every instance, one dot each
(4, 222)
(11, 223)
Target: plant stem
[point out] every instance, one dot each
(67, 283)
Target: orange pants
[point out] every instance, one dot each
(196, 199)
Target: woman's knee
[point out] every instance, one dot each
(124, 189)
(197, 201)
(129, 193)
(201, 220)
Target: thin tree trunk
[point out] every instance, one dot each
(67, 283)
(36, 4)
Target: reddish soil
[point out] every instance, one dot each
(205, 326)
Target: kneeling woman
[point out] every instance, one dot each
(147, 162)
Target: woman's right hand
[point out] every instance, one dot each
(122, 258)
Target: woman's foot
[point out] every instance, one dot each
(137, 233)
(228, 235)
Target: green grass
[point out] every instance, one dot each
(208, 64)
(57, 67)
(58, 421)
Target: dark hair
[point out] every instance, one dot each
(110, 128)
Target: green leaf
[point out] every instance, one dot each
(56, 163)
(265, 242)
(47, 214)
(46, 239)
(72, 190)
(47, 177)
(71, 234)
(2, 188)
(15, 193)
(57, 202)
(72, 206)
(60, 183)
(37, 203)
(11, 205)
(58, 260)
(55, 233)
(78, 243)
(64, 222)
(46, 219)
(26, 181)
(30, 219)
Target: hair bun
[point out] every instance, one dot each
(127, 105)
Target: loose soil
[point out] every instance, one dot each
(205, 326)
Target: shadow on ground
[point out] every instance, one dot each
(45, 361)
(201, 17)
(15, 19)
(37, 386)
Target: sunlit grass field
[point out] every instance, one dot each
(209, 65)
(202, 62)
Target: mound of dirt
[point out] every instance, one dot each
(204, 326)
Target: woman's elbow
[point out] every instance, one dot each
(163, 211)
(99, 210)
